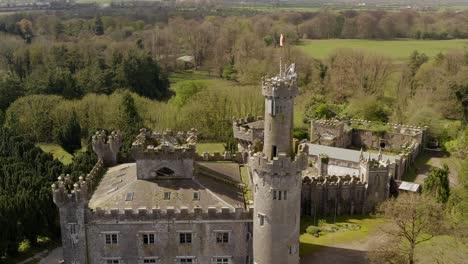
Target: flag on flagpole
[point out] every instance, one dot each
(282, 40)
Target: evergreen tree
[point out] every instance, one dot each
(26, 207)
(141, 73)
(98, 26)
(69, 136)
(2, 118)
(437, 184)
(129, 122)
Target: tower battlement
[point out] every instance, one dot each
(282, 87)
(65, 190)
(282, 164)
(167, 145)
(107, 146)
(172, 213)
(248, 129)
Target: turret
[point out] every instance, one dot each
(277, 177)
(107, 147)
(72, 200)
(279, 93)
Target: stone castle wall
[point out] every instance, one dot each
(166, 224)
(331, 195)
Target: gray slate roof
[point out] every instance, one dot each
(343, 154)
(120, 183)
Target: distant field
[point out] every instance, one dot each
(396, 49)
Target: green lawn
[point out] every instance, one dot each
(396, 49)
(310, 243)
(57, 151)
(210, 147)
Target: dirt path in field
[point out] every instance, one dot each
(353, 252)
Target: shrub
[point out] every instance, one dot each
(313, 230)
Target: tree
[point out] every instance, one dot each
(141, 73)
(184, 91)
(98, 26)
(414, 219)
(10, 90)
(128, 121)
(69, 135)
(2, 118)
(26, 207)
(437, 184)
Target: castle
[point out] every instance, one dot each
(173, 205)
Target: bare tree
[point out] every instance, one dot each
(414, 219)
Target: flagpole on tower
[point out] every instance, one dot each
(281, 53)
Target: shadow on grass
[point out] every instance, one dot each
(332, 255)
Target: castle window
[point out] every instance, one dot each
(73, 228)
(185, 238)
(292, 250)
(112, 261)
(280, 194)
(183, 260)
(274, 151)
(149, 260)
(111, 238)
(261, 219)
(221, 260)
(148, 239)
(165, 172)
(196, 196)
(222, 237)
(167, 195)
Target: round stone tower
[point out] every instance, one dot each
(277, 178)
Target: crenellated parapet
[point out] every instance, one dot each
(333, 181)
(282, 164)
(248, 129)
(328, 123)
(391, 127)
(167, 145)
(282, 86)
(218, 156)
(65, 190)
(106, 146)
(171, 214)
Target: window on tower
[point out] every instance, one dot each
(261, 219)
(279, 194)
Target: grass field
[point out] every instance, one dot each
(309, 243)
(396, 49)
(210, 147)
